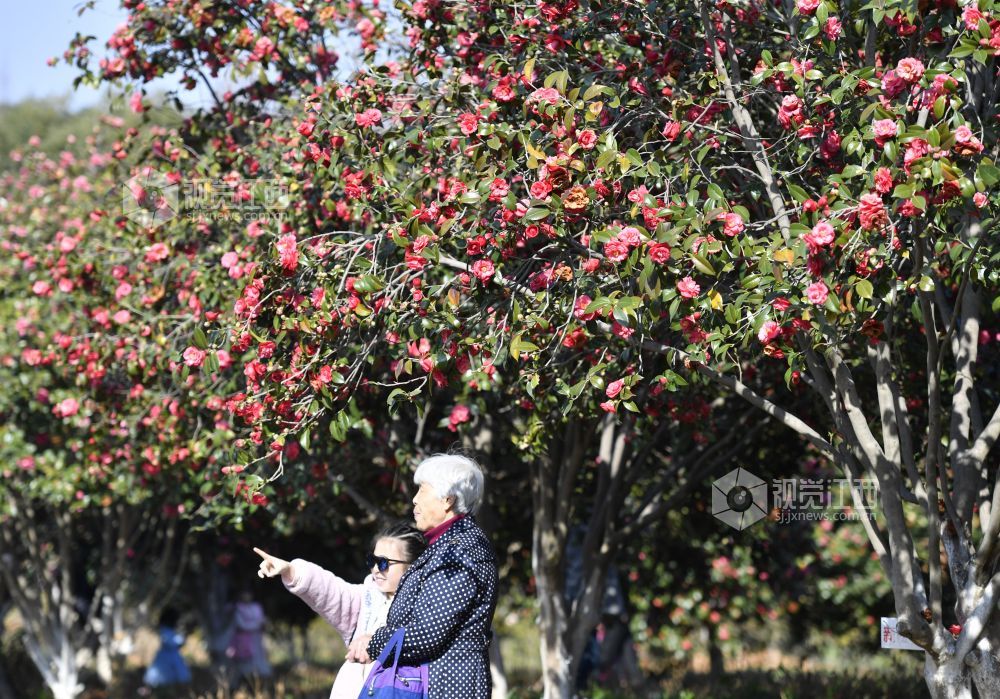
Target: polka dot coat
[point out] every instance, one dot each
(445, 601)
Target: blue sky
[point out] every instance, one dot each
(32, 31)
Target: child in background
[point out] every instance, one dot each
(168, 666)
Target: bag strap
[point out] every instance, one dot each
(394, 646)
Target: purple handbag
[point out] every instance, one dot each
(395, 681)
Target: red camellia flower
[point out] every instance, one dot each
(768, 331)
(659, 253)
(883, 180)
(615, 250)
(671, 130)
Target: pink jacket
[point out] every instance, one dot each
(345, 606)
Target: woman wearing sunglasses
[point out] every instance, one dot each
(447, 598)
(354, 610)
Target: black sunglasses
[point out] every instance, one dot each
(382, 562)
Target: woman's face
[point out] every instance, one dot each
(388, 581)
(429, 510)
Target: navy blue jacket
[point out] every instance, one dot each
(446, 601)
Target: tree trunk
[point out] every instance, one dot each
(949, 680)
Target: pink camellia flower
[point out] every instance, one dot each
(587, 139)
(608, 407)
(135, 103)
(288, 252)
(194, 357)
(780, 304)
(688, 288)
(498, 189)
(614, 388)
(966, 142)
(817, 293)
(892, 84)
(884, 129)
(157, 252)
(615, 250)
(909, 69)
(230, 259)
(459, 414)
(820, 236)
(630, 235)
(733, 224)
(979, 199)
(871, 211)
(41, 288)
(66, 408)
(468, 123)
(549, 95)
(369, 117)
(883, 180)
(484, 270)
(807, 7)
(972, 16)
(768, 331)
(832, 28)
(540, 189)
(225, 360)
(790, 112)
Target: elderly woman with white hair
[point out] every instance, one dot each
(446, 600)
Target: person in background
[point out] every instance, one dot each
(168, 666)
(353, 610)
(246, 648)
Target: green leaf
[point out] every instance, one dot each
(702, 264)
(536, 213)
(864, 288)
(798, 194)
(200, 341)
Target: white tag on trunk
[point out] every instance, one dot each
(891, 638)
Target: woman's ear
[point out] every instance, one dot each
(451, 500)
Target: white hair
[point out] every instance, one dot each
(454, 476)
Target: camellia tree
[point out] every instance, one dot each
(108, 445)
(584, 202)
